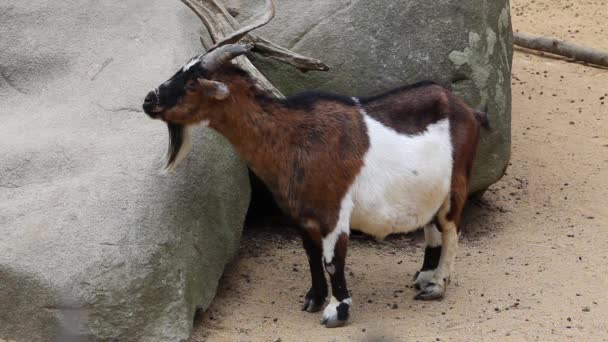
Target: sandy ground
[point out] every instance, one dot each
(534, 254)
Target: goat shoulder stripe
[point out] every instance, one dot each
(359, 106)
(342, 227)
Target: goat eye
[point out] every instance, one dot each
(189, 86)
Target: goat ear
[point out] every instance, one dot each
(217, 90)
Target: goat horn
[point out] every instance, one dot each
(214, 59)
(237, 35)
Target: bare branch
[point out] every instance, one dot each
(272, 50)
(565, 49)
(209, 19)
(223, 19)
(220, 10)
(236, 36)
(219, 22)
(203, 14)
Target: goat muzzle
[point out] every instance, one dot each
(150, 105)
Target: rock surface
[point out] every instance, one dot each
(373, 46)
(96, 245)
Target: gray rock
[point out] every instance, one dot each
(96, 245)
(373, 46)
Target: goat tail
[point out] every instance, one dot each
(482, 118)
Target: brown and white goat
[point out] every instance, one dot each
(384, 164)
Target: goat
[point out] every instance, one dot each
(385, 164)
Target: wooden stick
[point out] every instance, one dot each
(203, 14)
(217, 31)
(220, 23)
(561, 48)
(266, 47)
(235, 36)
(272, 50)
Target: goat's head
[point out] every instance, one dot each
(187, 97)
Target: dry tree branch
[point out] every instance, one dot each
(561, 48)
(270, 49)
(219, 22)
(216, 29)
(240, 33)
(203, 14)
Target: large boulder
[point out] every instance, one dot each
(373, 46)
(95, 244)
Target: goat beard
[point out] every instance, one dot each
(180, 144)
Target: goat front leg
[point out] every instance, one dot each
(335, 244)
(315, 297)
(337, 311)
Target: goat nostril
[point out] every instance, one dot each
(149, 98)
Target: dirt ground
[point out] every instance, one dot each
(533, 256)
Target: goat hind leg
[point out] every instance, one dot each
(436, 285)
(432, 254)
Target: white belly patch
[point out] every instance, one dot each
(404, 179)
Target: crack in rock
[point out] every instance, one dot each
(10, 83)
(119, 109)
(103, 66)
(339, 10)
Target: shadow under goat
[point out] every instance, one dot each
(386, 164)
(263, 209)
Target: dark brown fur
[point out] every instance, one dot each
(309, 153)
(307, 157)
(410, 109)
(464, 131)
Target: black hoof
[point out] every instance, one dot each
(313, 302)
